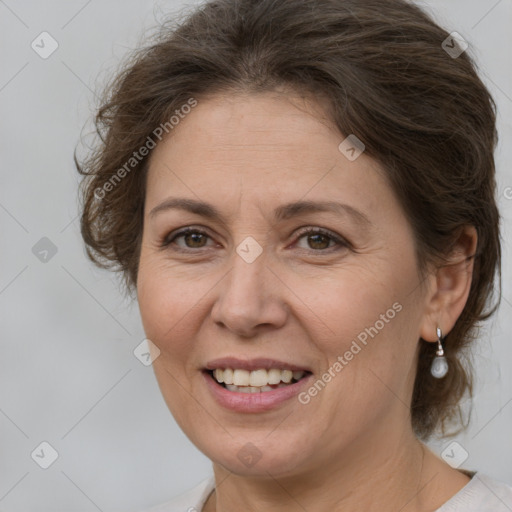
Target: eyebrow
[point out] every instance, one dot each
(283, 212)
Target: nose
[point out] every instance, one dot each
(250, 298)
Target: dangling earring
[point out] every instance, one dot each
(439, 366)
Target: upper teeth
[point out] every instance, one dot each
(256, 377)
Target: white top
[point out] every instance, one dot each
(481, 494)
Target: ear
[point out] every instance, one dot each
(450, 285)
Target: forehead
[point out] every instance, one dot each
(266, 146)
(243, 123)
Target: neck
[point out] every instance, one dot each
(369, 475)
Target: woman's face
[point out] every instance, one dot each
(255, 281)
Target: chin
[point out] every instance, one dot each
(257, 455)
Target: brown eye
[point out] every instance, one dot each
(321, 239)
(193, 238)
(318, 240)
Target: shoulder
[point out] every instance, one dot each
(189, 501)
(481, 494)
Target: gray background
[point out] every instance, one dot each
(68, 375)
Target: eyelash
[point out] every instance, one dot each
(307, 231)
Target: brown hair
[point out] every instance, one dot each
(423, 115)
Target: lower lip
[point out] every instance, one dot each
(253, 402)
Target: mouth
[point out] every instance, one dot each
(259, 380)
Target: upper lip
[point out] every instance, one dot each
(253, 364)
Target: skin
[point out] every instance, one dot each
(300, 301)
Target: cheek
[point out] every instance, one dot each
(341, 305)
(367, 365)
(365, 321)
(167, 304)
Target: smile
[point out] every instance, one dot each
(255, 381)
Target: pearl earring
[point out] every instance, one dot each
(439, 366)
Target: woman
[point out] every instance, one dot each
(301, 194)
